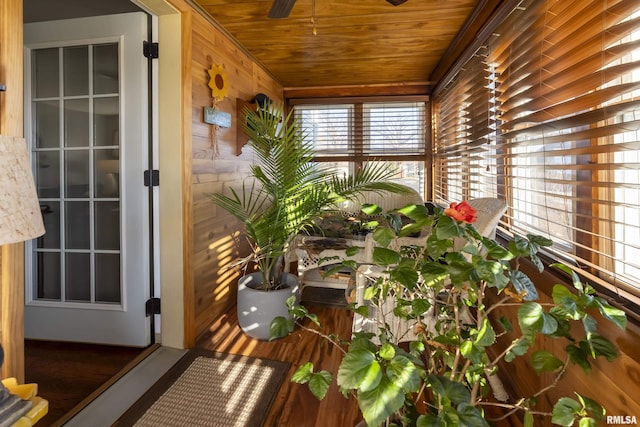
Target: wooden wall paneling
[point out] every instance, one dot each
(11, 256)
(216, 236)
(615, 385)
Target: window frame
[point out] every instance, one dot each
(357, 154)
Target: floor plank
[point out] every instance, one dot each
(294, 405)
(66, 373)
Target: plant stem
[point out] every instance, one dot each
(501, 303)
(456, 313)
(513, 409)
(325, 336)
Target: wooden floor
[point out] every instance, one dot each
(294, 405)
(66, 374)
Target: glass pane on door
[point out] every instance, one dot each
(76, 152)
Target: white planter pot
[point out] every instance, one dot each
(257, 308)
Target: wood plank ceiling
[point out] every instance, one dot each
(357, 42)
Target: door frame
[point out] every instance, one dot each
(175, 231)
(174, 116)
(11, 256)
(124, 323)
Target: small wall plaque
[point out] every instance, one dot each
(216, 117)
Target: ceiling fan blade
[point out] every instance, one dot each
(281, 8)
(396, 2)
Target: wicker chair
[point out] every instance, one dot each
(490, 210)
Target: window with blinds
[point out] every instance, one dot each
(351, 134)
(555, 132)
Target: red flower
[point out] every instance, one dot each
(461, 212)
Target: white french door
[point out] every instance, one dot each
(87, 278)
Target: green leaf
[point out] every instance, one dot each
(543, 361)
(578, 354)
(519, 246)
(384, 256)
(352, 250)
(405, 275)
(298, 312)
(563, 319)
(419, 306)
(601, 346)
(359, 370)
(291, 301)
(587, 422)
(319, 384)
(447, 389)
(302, 375)
(433, 272)
(505, 323)
(530, 318)
(593, 407)
(383, 236)
(429, 420)
(370, 209)
(522, 283)
(488, 271)
(519, 349)
(470, 416)
(446, 228)
(436, 247)
(617, 316)
(486, 334)
(387, 351)
(471, 352)
(549, 324)
(418, 213)
(537, 262)
(565, 411)
(590, 324)
(540, 240)
(568, 302)
(496, 251)
(574, 277)
(404, 373)
(370, 293)
(381, 402)
(528, 419)
(280, 327)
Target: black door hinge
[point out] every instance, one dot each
(150, 50)
(151, 178)
(152, 306)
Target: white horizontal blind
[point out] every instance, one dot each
(566, 76)
(365, 130)
(465, 135)
(329, 127)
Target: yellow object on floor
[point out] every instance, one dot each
(39, 407)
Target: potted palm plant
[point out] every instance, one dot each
(444, 369)
(285, 192)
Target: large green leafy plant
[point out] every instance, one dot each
(451, 289)
(287, 190)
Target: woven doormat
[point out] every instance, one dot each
(209, 389)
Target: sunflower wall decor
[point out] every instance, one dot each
(212, 115)
(218, 82)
